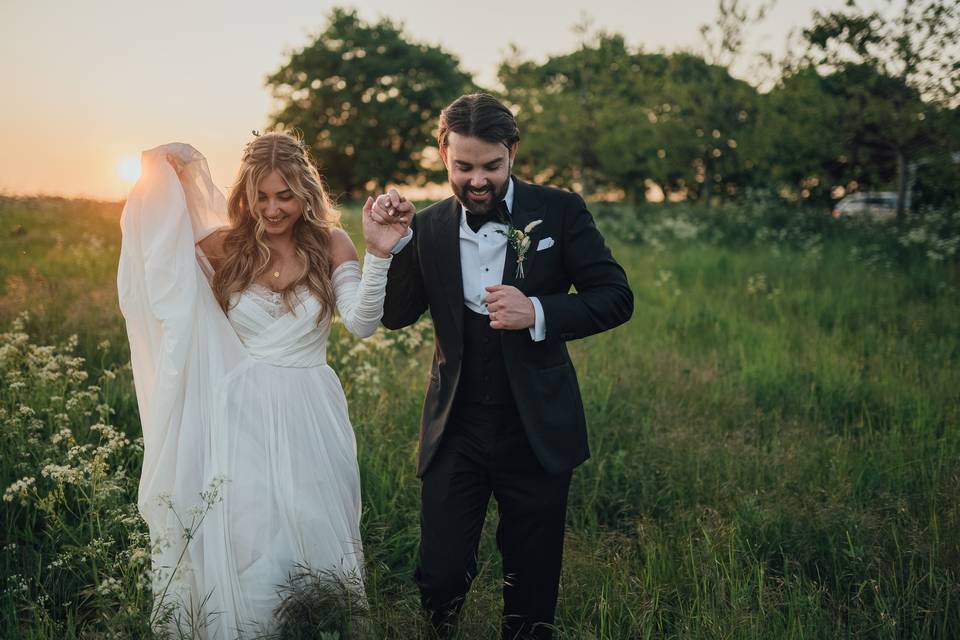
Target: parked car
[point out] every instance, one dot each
(879, 205)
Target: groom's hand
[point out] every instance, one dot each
(392, 208)
(509, 308)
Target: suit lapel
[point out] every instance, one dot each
(447, 258)
(527, 207)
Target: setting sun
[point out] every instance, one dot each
(128, 168)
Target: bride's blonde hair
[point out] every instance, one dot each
(246, 254)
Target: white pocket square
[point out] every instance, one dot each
(545, 243)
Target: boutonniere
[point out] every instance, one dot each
(519, 240)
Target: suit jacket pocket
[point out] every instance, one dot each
(554, 411)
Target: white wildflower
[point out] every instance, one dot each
(62, 473)
(19, 489)
(108, 586)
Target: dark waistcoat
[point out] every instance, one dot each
(483, 377)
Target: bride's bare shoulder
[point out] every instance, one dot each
(212, 246)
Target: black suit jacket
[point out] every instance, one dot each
(426, 274)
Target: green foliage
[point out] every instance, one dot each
(915, 41)
(366, 98)
(605, 117)
(871, 105)
(773, 436)
(929, 237)
(896, 73)
(712, 114)
(321, 606)
(572, 110)
(799, 139)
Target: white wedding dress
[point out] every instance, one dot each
(247, 441)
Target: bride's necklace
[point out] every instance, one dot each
(276, 271)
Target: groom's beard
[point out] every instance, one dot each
(462, 193)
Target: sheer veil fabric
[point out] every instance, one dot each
(250, 460)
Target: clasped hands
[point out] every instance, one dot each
(508, 307)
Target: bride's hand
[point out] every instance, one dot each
(385, 221)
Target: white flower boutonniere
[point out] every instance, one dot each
(520, 241)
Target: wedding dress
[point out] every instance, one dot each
(250, 463)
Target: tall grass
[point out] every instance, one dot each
(774, 436)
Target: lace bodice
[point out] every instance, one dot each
(272, 301)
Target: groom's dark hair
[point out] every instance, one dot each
(479, 115)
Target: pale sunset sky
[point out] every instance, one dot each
(88, 85)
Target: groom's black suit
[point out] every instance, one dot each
(521, 440)
(426, 275)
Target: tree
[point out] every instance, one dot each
(906, 66)
(604, 116)
(560, 102)
(366, 99)
(802, 137)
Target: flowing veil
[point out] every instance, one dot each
(172, 317)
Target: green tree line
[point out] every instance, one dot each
(869, 103)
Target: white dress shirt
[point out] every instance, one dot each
(482, 254)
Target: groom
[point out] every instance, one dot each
(494, 265)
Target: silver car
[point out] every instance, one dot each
(878, 205)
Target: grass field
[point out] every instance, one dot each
(774, 436)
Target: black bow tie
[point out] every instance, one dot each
(499, 214)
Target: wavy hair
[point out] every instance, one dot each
(246, 254)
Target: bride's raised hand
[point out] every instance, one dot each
(385, 221)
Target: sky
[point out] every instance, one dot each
(89, 85)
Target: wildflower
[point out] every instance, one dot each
(757, 284)
(17, 584)
(108, 586)
(663, 278)
(61, 435)
(64, 474)
(19, 489)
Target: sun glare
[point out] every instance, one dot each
(128, 168)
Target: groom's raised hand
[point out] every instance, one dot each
(392, 208)
(509, 308)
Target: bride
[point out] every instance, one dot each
(250, 463)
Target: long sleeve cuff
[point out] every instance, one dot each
(402, 242)
(538, 332)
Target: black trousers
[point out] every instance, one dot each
(485, 452)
